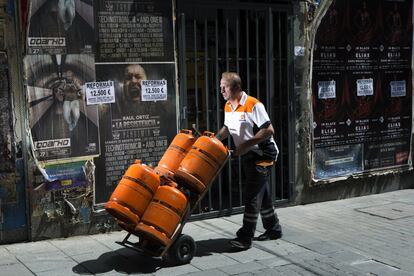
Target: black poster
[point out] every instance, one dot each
(139, 125)
(361, 87)
(61, 27)
(134, 31)
(62, 125)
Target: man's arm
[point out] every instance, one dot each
(223, 133)
(260, 136)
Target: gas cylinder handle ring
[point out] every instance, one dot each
(196, 129)
(186, 131)
(208, 133)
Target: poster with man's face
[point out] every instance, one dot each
(139, 125)
(62, 125)
(60, 27)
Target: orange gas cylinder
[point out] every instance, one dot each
(133, 193)
(202, 163)
(175, 153)
(163, 214)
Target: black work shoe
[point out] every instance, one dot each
(241, 243)
(269, 235)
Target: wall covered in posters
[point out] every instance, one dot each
(135, 50)
(101, 92)
(362, 88)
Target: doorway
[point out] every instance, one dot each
(253, 39)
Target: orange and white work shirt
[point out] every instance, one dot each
(246, 120)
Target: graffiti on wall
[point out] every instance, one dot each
(64, 202)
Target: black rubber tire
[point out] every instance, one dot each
(182, 251)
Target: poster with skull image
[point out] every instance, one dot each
(60, 27)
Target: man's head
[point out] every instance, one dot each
(230, 85)
(69, 75)
(134, 74)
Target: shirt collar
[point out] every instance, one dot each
(243, 98)
(242, 101)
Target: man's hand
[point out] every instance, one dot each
(222, 133)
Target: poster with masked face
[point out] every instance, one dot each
(139, 125)
(62, 125)
(60, 27)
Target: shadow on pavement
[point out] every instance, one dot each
(207, 247)
(122, 260)
(129, 261)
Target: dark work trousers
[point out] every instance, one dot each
(257, 198)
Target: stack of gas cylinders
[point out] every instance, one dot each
(151, 203)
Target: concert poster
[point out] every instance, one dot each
(138, 125)
(134, 31)
(60, 27)
(361, 88)
(135, 53)
(62, 125)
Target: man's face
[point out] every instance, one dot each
(69, 75)
(225, 89)
(134, 74)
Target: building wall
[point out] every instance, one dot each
(13, 216)
(305, 189)
(54, 212)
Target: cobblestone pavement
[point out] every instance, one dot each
(370, 235)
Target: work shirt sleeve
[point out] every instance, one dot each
(260, 116)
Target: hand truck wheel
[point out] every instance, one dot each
(181, 251)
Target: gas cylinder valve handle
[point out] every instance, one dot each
(208, 134)
(186, 131)
(196, 129)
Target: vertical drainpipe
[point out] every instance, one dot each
(183, 72)
(22, 110)
(291, 105)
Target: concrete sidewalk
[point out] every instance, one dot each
(371, 235)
